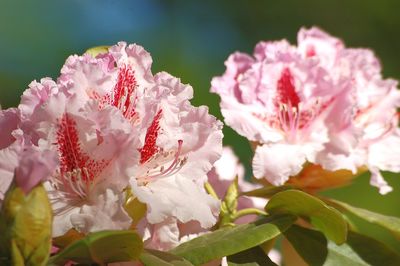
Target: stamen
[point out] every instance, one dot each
(162, 172)
(173, 164)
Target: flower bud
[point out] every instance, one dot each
(26, 226)
(26, 214)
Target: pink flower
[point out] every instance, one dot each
(319, 102)
(96, 150)
(180, 147)
(363, 129)
(278, 100)
(178, 143)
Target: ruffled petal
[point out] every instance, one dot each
(178, 197)
(315, 42)
(274, 50)
(172, 88)
(384, 154)
(236, 64)
(164, 235)
(37, 94)
(9, 121)
(277, 162)
(105, 213)
(200, 132)
(138, 58)
(248, 125)
(89, 77)
(34, 166)
(202, 141)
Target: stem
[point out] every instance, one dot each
(210, 190)
(248, 211)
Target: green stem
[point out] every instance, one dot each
(210, 190)
(248, 211)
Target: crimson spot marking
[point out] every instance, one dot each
(286, 92)
(71, 155)
(150, 147)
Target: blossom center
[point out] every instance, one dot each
(78, 172)
(290, 114)
(286, 92)
(156, 162)
(310, 51)
(162, 164)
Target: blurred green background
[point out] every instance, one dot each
(191, 40)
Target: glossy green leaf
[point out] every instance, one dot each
(230, 240)
(323, 217)
(159, 258)
(312, 246)
(372, 250)
(250, 257)
(25, 226)
(266, 192)
(389, 222)
(102, 247)
(95, 51)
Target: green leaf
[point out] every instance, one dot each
(312, 246)
(159, 258)
(230, 240)
(102, 247)
(372, 251)
(389, 222)
(323, 217)
(250, 257)
(266, 192)
(95, 51)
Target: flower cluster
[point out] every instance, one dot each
(116, 127)
(318, 102)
